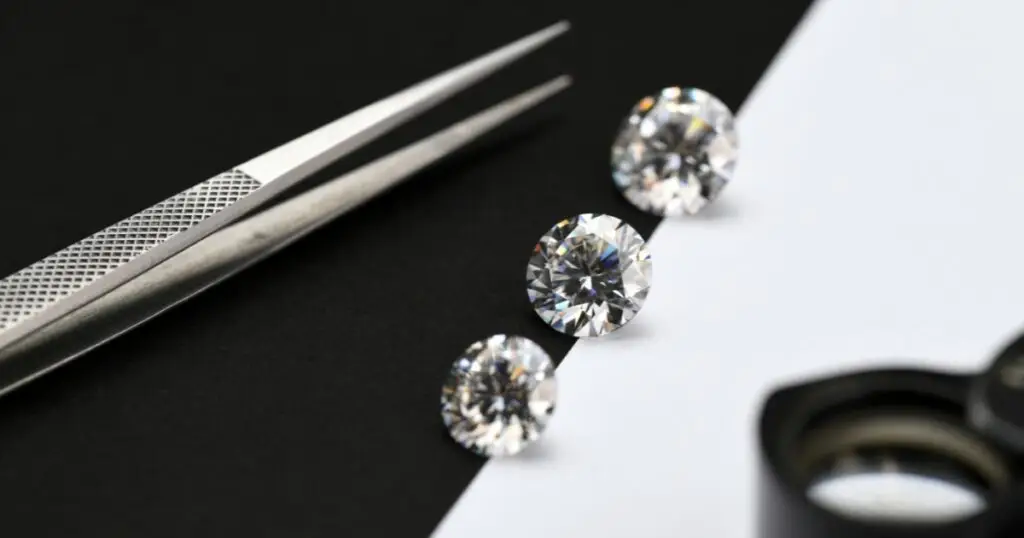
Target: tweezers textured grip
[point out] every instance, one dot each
(33, 289)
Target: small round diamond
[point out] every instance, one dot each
(499, 395)
(675, 152)
(589, 275)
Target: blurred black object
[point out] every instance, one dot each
(896, 453)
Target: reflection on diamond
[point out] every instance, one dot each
(675, 152)
(589, 275)
(499, 395)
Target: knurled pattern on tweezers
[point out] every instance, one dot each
(33, 289)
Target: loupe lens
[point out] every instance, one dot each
(899, 467)
(896, 496)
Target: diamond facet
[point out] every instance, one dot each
(499, 395)
(675, 152)
(589, 275)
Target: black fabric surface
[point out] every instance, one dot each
(301, 397)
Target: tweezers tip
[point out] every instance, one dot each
(547, 89)
(540, 37)
(525, 100)
(553, 31)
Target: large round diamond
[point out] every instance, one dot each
(589, 275)
(675, 152)
(499, 395)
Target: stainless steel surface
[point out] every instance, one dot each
(224, 253)
(53, 278)
(64, 282)
(334, 140)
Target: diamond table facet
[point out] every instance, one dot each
(589, 275)
(499, 395)
(675, 152)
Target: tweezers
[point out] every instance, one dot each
(104, 285)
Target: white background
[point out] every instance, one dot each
(876, 217)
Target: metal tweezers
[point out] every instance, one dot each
(92, 291)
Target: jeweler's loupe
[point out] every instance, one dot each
(896, 453)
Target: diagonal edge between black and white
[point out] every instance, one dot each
(848, 238)
(552, 490)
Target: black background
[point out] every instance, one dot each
(300, 398)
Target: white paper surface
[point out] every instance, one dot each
(877, 215)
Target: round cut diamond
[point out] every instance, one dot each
(589, 275)
(499, 395)
(675, 152)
